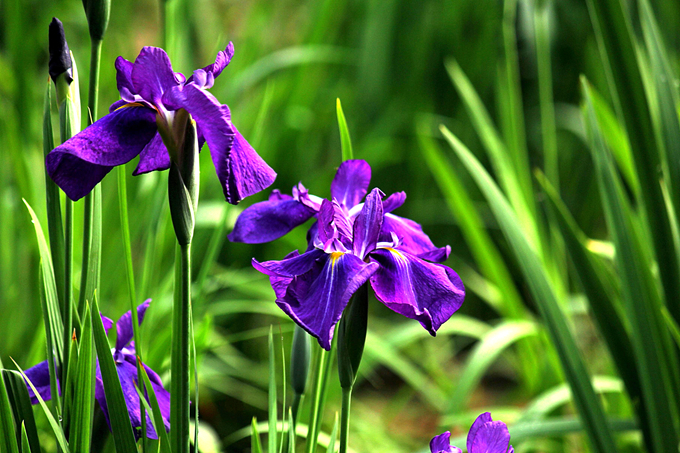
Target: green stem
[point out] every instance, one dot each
(93, 93)
(344, 418)
(66, 311)
(321, 359)
(179, 403)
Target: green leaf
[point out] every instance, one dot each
(651, 343)
(255, 443)
(271, 443)
(56, 428)
(8, 439)
(485, 354)
(83, 403)
(587, 403)
(121, 428)
(334, 436)
(163, 437)
(21, 405)
(345, 140)
(25, 444)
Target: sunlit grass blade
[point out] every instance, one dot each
(319, 361)
(651, 344)
(345, 140)
(69, 384)
(83, 403)
(618, 51)
(25, 444)
(121, 428)
(589, 406)
(273, 416)
(484, 355)
(155, 410)
(21, 405)
(334, 436)
(255, 443)
(8, 438)
(56, 428)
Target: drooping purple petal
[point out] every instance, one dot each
(162, 395)
(152, 75)
(441, 444)
(124, 325)
(479, 422)
(269, 220)
(108, 323)
(316, 299)
(291, 266)
(39, 375)
(280, 284)
(429, 293)
(368, 224)
(410, 234)
(489, 437)
(326, 227)
(351, 182)
(437, 255)
(153, 157)
(222, 59)
(81, 162)
(124, 79)
(241, 171)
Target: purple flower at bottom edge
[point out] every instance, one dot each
(151, 95)
(485, 436)
(125, 358)
(350, 243)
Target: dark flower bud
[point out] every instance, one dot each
(352, 336)
(299, 360)
(60, 55)
(97, 12)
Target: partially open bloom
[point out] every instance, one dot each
(150, 117)
(126, 365)
(485, 436)
(350, 244)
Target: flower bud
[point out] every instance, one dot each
(299, 360)
(97, 12)
(183, 186)
(60, 55)
(352, 336)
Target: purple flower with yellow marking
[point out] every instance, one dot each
(149, 122)
(126, 364)
(485, 436)
(351, 243)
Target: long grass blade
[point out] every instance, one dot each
(21, 406)
(589, 406)
(8, 439)
(159, 426)
(255, 442)
(83, 403)
(273, 415)
(345, 140)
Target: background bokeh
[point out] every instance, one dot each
(385, 60)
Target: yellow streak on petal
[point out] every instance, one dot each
(335, 256)
(131, 104)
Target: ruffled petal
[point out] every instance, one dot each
(222, 59)
(291, 266)
(368, 224)
(124, 79)
(269, 220)
(152, 75)
(394, 201)
(441, 444)
(316, 299)
(108, 323)
(437, 255)
(153, 157)
(39, 375)
(163, 397)
(479, 422)
(241, 171)
(429, 293)
(351, 182)
(410, 234)
(491, 437)
(124, 325)
(81, 162)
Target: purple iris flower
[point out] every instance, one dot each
(126, 365)
(485, 436)
(154, 100)
(351, 242)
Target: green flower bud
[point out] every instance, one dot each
(352, 336)
(299, 360)
(97, 12)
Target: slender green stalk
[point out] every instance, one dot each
(179, 403)
(93, 93)
(344, 418)
(321, 358)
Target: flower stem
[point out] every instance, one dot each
(344, 418)
(321, 358)
(179, 403)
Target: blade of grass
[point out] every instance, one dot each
(21, 405)
(589, 406)
(8, 439)
(121, 428)
(334, 436)
(164, 440)
(345, 140)
(255, 443)
(25, 444)
(83, 404)
(271, 442)
(641, 300)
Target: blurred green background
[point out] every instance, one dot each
(385, 59)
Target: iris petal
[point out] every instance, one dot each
(410, 234)
(269, 220)
(81, 162)
(491, 437)
(316, 299)
(124, 78)
(441, 444)
(427, 292)
(368, 224)
(222, 59)
(39, 375)
(291, 266)
(351, 182)
(152, 75)
(124, 325)
(476, 426)
(153, 157)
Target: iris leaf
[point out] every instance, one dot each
(345, 140)
(8, 439)
(83, 403)
(255, 443)
(271, 443)
(21, 405)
